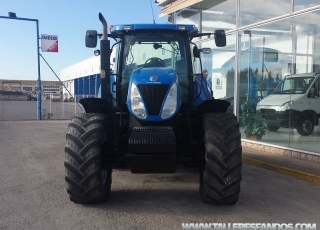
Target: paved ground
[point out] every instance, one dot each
(33, 194)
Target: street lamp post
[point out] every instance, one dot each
(13, 16)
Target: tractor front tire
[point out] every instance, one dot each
(220, 176)
(87, 173)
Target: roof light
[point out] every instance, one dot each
(127, 28)
(12, 15)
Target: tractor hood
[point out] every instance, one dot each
(154, 93)
(153, 75)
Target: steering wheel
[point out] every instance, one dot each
(154, 62)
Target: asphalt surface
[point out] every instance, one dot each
(33, 192)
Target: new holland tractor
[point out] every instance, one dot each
(155, 112)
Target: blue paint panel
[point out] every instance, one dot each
(76, 86)
(80, 86)
(92, 82)
(85, 85)
(132, 27)
(88, 85)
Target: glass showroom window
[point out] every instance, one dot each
(222, 15)
(264, 56)
(253, 11)
(306, 30)
(270, 54)
(304, 4)
(221, 65)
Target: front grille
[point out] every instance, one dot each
(268, 111)
(153, 96)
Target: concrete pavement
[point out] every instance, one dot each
(299, 168)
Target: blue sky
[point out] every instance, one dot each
(67, 19)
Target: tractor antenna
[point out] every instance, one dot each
(152, 13)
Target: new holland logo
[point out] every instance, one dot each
(153, 78)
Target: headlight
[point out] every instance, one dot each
(137, 105)
(286, 106)
(170, 105)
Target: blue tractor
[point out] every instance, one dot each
(155, 112)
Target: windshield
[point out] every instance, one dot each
(294, 85)
(155, 50)
(152, 50)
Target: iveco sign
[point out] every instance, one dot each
(49, 43)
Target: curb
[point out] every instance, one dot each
(291, 153)
(298, 174)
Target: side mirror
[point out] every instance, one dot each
(220, 38)
(91, 38)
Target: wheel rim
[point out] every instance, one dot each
(306, 126)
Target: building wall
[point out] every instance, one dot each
(90, 66)
(82, 78)
(264, 44)
(26, 85)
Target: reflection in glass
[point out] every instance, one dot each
(220, 76)
(294, 85)
(221, 15)
(303, 4)
(277, 62)
(253, 11)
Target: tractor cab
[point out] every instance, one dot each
(158, 61)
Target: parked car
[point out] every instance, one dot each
(32, 97)
(70, 99)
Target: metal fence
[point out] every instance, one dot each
(53, 107)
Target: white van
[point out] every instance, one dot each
(294, 103)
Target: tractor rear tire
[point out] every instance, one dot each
(87, 173)
(220, 176)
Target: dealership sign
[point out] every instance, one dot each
(50, 89)
(49, 43)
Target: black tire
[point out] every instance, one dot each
(305, 126)
(221, 174)
(273, 128)
(87, 174)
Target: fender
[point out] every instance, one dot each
(97, 105)
(213, 106)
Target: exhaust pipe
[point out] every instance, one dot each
(104, 27)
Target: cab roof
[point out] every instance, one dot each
(120, 29)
